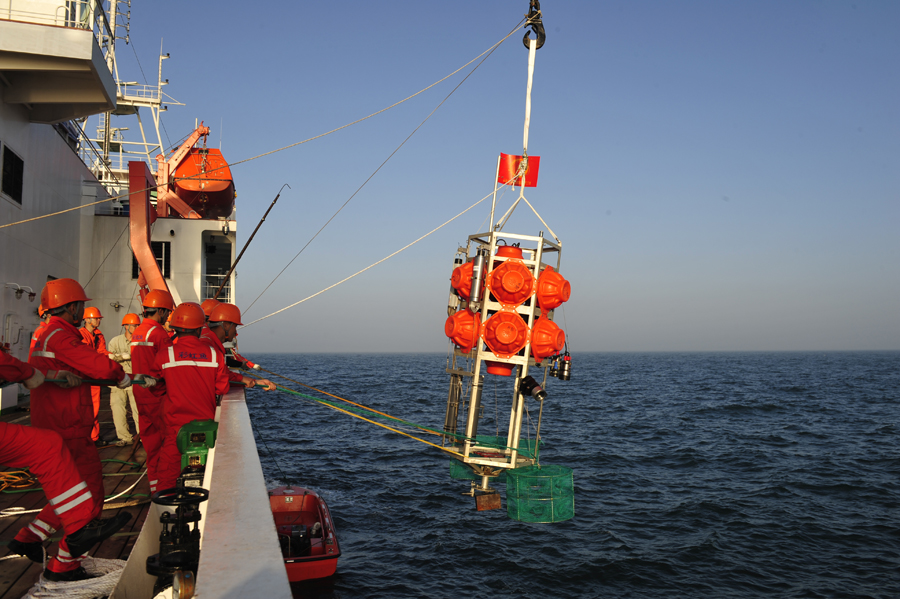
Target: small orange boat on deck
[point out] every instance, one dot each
(306, 533)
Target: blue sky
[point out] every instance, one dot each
(723, 176)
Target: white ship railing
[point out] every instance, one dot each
(211, 285)
(239, 551)
(76, 14)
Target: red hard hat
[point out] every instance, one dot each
(208, 305)
(131, 318)
(60, 292)
(157, 298)
(226, 313)
(92, 313)
(188, 315)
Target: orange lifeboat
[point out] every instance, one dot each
(203, 181)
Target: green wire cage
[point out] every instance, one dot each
(460, 471)
(541, 494)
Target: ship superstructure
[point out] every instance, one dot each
(59, 76)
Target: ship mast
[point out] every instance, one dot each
(109, 152)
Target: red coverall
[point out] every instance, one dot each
(148, 339)
(96, 340)
(195, 373)
(43, 452)
(207, 335)
(40, 327)
(70, 413)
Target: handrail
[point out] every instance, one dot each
(74, 14)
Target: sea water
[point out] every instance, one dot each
(696, 475)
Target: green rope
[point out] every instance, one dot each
(371, 414)
(132, 464)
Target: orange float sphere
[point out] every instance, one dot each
(546, 339)
(499, 368)
(509, 251)
(511, 283)
(461, 280)
(552, 289)
(505, 333)
(463, 328)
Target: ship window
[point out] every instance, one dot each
(162, 250)
(12, 178)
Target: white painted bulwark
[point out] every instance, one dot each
(239, 552)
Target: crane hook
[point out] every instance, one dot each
(537, 26)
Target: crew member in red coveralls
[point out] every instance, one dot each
(68, 412)
(146, 342)
(93, 337)
(224, 320)
(235, 360)
(44, 454)
(45, 318)
(195, 373)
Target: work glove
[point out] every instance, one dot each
(257, 367)
(125, 356)
(72, 380)
(124, 383)
(35, 380)
(147, 381)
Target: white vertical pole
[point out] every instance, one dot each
(531, 52)
(494, 200)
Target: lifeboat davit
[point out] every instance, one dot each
(305, 532)
(203, 181)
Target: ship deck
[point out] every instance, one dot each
(121, 468)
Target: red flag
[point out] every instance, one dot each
(509, 167)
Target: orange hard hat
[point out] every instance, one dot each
(157, 298)
(60, 292)
(131, 318)
(226, 313)
(92, 313)
(41, 310)
(208, 305)
(188, 315)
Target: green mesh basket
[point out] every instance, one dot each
(540, 494)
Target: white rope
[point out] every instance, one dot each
(231, 164)
(106, 571)
(372, 265)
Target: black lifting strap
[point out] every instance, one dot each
(537, 26)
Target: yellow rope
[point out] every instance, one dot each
(16, 479)
(444, 449)
(353, 403)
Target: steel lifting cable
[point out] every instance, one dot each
(388, 257)
(120, 196)
(375, 172)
